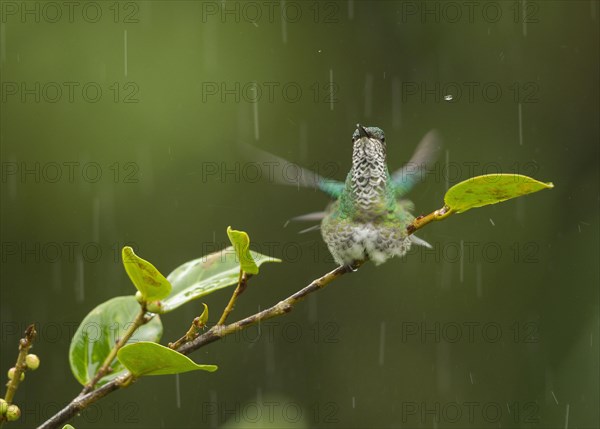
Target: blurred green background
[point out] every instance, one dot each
(121, 123)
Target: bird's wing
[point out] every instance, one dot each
(285, 172)
(405, 178)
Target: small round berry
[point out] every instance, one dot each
(13, 413)
(3, 406)
(32, 361)
(11, 374)
(139, 297)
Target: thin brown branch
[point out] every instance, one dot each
(25, 344)
(214, 334)
(421, 221)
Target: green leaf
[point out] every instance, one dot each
(490, 189)
(204, 316)
(98, 333)
(202, 276)
(68, 427)
(147, 358)
(241, 244)
(146, 278)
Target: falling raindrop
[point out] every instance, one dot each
(269, 358)
(2, 43)
(145, 163)
(312, 308)
(567, 417)
(524, 17)
(381, 343)
(353, 402)
(520, 210)
(255, 111)
(283, 23)
(478, 281)
(448, 97)
(96, 219)
(492, 222)
(303, 129)
(368, 94)
(177, 392)
(462, 260)
(444, 368)
(79, 276)
(396, 104)
(447, 170)
(331, 89)
(520, 124)
(214, 420)
(125, 51)
(554, 396)
(258, 326)
(56, 277)
(471, 377)
(11, 180)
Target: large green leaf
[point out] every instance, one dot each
(490, 189)
(146, 278)
(98, 333)
(202, 276)
(241, 244)
(147, 358)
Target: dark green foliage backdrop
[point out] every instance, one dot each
(511, 327)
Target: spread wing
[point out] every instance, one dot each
(414, 171)
(287, 173)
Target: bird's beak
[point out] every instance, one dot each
(361, 131)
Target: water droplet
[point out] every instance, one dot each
(177, 392)
(448, 97)
(381, 343)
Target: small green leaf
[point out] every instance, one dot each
(203, 276)
(68, 427)
(490, 189)
(204, 316)
(99, 331)
(146, 278)
(147, 358)
(241, 244)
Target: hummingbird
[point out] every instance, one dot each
(368, 216)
